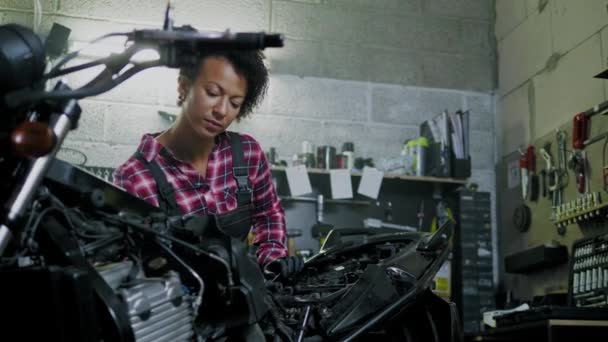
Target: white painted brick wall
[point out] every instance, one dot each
(512, 13)
(411, 106)
(482, 149)
(47, 5)
(589, 19)
(21, 18)
(284, 133)
(548, 57)
(364, 71)
(91, 123)
(479, 9)
(570, 88)
(482, 112)
(392, 6)
(318, 98)
(513, 120)
(524, 51)
(396, 41)
(125, 124)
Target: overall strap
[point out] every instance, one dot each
(240, 171)
(166, 193)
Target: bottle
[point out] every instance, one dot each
(319, 208)
(348, 150)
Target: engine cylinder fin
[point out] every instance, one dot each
(159, 326)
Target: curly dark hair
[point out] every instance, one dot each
(248, 63)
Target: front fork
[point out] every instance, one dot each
(22, 195)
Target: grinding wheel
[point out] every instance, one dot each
(522, 217)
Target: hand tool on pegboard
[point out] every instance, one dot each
(580, 134)
(604, 165)
(553, 178)
(562, 160)
(560, 176)
(523, 169)
(534, 183)
(529, 178)
(580, 130)
(585, 162)
(578, 163)
(581, 124)
(543, 182)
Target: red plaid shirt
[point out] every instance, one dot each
(216, 192)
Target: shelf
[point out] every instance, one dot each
(327, 200)
(427, 179)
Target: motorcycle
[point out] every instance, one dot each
(82, 260)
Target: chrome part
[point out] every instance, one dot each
(158, 310)
(115, 274)
(5, 237)
(199, 298)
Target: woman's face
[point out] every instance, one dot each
(214, 99)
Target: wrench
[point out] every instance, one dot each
(562, 168)
(553, 180)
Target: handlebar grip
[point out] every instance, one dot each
(274, 40)
(260, 40)
(226, 40)
(181, 46)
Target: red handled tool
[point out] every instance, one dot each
(533, 177)
(578, 163)
(523, 168)
(580, 130)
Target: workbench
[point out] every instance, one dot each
(547, 330)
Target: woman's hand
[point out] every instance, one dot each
(286, 267)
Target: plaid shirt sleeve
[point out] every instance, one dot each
(132, 176)
(268, 215)
(121, 178)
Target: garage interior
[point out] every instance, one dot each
(383, 117)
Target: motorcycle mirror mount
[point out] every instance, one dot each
(438, 241)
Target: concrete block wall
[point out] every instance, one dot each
(548, 54)
(368, 71)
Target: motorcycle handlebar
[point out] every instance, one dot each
(225, 40)
(176, 47)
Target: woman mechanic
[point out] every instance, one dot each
(197, 167)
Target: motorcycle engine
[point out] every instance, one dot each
(158, 308)
(323, 286)
(75, 224)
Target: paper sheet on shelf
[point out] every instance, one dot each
(465, 131)
(341, 185)
(439, 127)
(297, 178)
(457, 146)
(371, 180)
(457, 134)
